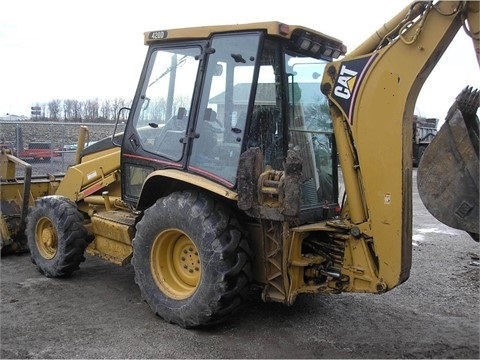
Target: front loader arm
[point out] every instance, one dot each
(92, 175)
(372, 93)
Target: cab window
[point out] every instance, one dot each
(165, 102)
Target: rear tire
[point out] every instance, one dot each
(192, 261)
(56, 236)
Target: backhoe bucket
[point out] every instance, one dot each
(448, 173)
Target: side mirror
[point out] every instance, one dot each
(121, 115)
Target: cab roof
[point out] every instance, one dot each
(274, 28)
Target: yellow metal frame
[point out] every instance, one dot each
(377, 168)
(193, 179)
(274, 28)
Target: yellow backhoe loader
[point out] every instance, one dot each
(225, 178)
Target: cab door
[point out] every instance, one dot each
(224, 105)
(156, 135)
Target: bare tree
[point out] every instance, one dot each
(68, 109)
(91, 109)
(54, 108)
(156, 111)
(105, 110)
(116, 105)
(77, 110)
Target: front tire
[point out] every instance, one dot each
(191, 259)
(56, 236)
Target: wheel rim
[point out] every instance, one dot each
(46, 238)
(175, 264)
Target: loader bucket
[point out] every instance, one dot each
(448, 173)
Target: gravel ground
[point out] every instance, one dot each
(98, 313)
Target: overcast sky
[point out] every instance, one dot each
(59, 49)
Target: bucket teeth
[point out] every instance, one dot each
(468, 101)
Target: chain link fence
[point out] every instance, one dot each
(48, 146)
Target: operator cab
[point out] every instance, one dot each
(207, 95)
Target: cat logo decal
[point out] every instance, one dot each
(349, 78)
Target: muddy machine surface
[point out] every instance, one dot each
(225, 179)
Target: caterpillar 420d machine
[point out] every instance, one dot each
(225, 178)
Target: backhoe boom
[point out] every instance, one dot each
(373, 90)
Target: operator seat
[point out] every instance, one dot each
(167, 142)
